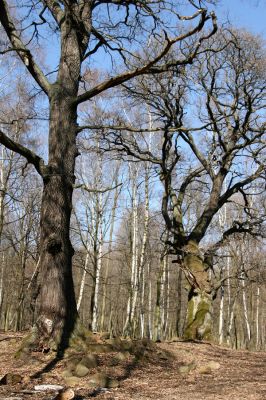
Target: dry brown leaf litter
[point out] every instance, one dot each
(241, 374)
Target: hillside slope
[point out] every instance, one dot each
(166, 371)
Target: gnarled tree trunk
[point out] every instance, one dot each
(199, 310)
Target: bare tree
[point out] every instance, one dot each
(225, 91)
(83, 28)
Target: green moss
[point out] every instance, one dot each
(194, 263)
(199, 317)
(27, 344)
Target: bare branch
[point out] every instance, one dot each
(151, 67)
(22, 51)
(94, 190)
(56, 10)
(30, 156)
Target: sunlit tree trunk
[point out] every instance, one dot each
(221, 316)
(83, 280)
(110, 247)
(231, 318)
(167, 301)
(134, 283)
(95, 313)
(179, 304)
(200, 308)
(245, 308)
(257, 318)
(143, 251)
(149, 327)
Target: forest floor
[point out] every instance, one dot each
(175, 370)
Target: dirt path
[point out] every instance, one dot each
(168, 371)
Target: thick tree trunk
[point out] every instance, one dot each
(199, 311)
(58, 311)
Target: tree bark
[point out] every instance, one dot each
(200, 308)
(58, 311)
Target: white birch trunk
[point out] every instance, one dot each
(83, 280)
(142, 310)
(95, 313)
(167, 303)
(162, 296)
(134, 265)
(228, 288)
(221, 316)
(110, 246)
(143, 250)
(245, 308)
(257, 318)
(231, 318)
(149, 302)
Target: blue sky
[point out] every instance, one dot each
(248, 14)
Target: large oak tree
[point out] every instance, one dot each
(115, 33)
(210, 125)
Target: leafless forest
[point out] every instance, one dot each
(132, 172)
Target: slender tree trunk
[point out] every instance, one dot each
(257, 318)
(157, 317)
(83, 279)
(221, 316)
(167, 332)
(143, 251)
(131, 304)
(163, 295)
(179, 304)
(2, 281)
(231, 318)
(159, 306)
(245, 308)
(150, 333)
(95, 311)
(4, 176)
(110, 246)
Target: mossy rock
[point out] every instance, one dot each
(122, 356)
(100, 348)
(89, 361)
(100, 379)
(27, 344)
(209, 367)
(112, 383)
(116, 343)
(165, 355)
(81, 371)
(186, 369)
(72, 381)
(119, 358)
(79, 341)
(73, 361)
(138, 349)
(66, 373)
